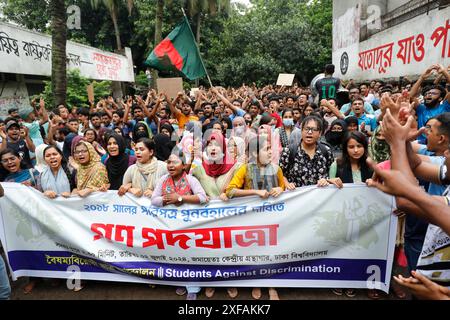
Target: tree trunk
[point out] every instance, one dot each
(117, 87)
(158, 34)
(116, 29)
(59, 60)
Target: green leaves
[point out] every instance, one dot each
(76, 90)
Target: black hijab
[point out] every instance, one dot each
(163, 146)
(116, 166)
(336, 138)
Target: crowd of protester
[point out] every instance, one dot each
(221, 143)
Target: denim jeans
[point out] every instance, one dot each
(412, 248)
(192, 289)
(5, 288)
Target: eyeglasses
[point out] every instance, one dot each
(80, 152)
(433, 93)
(308, 129)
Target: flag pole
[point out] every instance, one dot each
(198, 50)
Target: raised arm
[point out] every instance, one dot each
(416, 87)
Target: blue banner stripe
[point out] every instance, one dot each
(317, 269)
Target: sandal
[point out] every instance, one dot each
(398, 292)
(209, 292)
(338, 292)
(29, 286)
(232, 292)
(256, 293)
(373, 294)
(350, 293)
(181, 291)
(273, 294)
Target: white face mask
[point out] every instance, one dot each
(239, 130)
(288, 122)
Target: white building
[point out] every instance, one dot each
(25, 61)
(383, 39)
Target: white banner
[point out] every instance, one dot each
(27, 52)
(306, 238)
(407, 49)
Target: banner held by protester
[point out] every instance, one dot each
(306, 238)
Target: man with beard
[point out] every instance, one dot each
(208, 116)
(184, 116)
(434, 103)
(96, 121)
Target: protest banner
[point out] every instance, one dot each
(309, 237)
(90, 93)
(285, 79)
(170, 86)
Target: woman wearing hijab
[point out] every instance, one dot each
(217, 167)
(91, 173)
(140, 178)
(379, 149)
(40, 162)
(118, 160)
(163, 146)
(335, 136)
(236, 149)
(215, 173)
(141, 130)
(242, 130)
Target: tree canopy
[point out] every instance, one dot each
(270, 37)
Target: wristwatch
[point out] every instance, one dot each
(180, 199)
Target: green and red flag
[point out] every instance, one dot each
(178, 52)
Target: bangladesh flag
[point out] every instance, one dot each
(178, 52)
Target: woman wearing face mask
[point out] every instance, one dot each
(140, 179)
(163, 146)
(335, 136)
(118, 159)
(140, 130)
(287, 129)
(379, 149)
(241, 129)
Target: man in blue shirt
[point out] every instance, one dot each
(433, 97)
(432, 106)
(370, 123)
